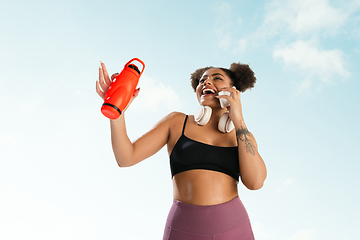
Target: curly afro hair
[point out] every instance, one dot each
(241, 75)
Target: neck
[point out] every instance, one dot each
(215, 116)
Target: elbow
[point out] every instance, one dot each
(253, 185)
(123, 164)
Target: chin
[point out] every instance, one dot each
(211, 104)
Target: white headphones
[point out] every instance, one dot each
(203, 114)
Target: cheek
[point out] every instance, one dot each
(198, 90)
(221, 85)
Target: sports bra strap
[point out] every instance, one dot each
(184, 125)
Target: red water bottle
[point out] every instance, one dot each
(121, 90)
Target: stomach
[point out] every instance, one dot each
(204, 187)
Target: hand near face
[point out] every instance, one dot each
(235, 109)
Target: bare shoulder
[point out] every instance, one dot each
(175, 121)
(174, 117)
(171, 121)
(177, 115)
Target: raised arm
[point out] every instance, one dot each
(128, 153)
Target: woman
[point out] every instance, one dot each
(206, 160)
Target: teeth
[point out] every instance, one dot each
(208, 90)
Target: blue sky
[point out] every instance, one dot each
(59, 179)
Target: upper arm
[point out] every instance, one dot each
(152, 141)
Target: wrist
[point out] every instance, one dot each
(240, 123)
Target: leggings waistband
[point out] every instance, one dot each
(209, 220)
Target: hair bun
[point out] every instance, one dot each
(243, 76)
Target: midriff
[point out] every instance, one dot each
(204, 187)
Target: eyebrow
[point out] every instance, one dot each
(218, 74)
(214, 75)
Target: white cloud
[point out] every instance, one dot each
(223, 25)
(154, 96)
(225, 41)
(294, 25)
(304, 16)
(5, 98)
(23, 217)
(242, 44)
(307, 57)
(31, 106)
(304, 234)
(26, 104)
(8, 140)
(261, 231)
(288, 182)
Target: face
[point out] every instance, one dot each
(210, 84)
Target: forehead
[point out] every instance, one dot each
(214, 71)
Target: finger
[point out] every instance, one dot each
(233, 92)
(106, 75)
(136, 93)
(98, 90)
(230, 89)
(102, 83)
(114, 76)
(229, 98)
(101, 75)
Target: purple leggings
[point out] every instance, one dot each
(225, 221)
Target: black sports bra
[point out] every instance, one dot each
(189, 154)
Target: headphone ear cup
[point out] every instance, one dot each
(225, 124)
(202, 115)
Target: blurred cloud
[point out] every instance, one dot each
(155, 96)
(25, 105)
(242, 44)
(261, 231)
(23, 217)
(223, 24)
(307, 57)
(288, 181)
(32, 105)
(304, 234)
(296, 32)
(303, 17)
(4, 98)
(8, 140)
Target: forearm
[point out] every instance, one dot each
(122, 146)
(252, 167)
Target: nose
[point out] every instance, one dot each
(207, 82)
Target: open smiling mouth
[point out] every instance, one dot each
(208, 91)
